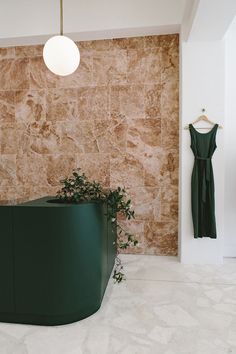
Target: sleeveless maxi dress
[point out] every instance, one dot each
(203, 146)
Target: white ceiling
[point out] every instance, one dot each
(212, 19)
(31, 21)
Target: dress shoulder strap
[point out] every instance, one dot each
(191, 130)
(214, 129)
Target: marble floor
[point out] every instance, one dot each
(164, 307)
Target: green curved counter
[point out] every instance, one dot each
(55, 261)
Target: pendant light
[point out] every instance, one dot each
(61, 55)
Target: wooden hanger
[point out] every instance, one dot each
(205, 119)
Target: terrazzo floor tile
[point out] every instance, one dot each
(163, 307)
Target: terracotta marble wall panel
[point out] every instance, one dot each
(146, 202)
(7, 106)
(126, 171)
(30, 105)
(116, 117)
(96, 166)
(9, 140)
(39, 76)
(14, 74)
(111, 135)
(93, 103)
(41, 138)
(137, 227)
(153, 167)
(31, 175)
(61, 104)
(127, 101)
(153, 96)
(7, 171)
(144, 135)
(110, 67)
(6, 53)
(58, 167)
(161, 237)
(82, 77)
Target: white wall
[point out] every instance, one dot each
(203, 86)
(230, 146)
(32, 19)
(212, 19)
(191, 9)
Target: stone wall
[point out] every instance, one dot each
(116, 118)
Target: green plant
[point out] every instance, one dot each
(77, 188)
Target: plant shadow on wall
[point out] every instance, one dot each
(77, 188)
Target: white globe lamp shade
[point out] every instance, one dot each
(61, 55)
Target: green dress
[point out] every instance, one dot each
(202, 183)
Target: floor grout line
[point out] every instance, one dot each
(180, 281)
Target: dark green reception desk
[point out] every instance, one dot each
(55, 261)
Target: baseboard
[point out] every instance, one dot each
(230, 251)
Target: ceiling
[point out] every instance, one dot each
(212, 19)
(31, 21)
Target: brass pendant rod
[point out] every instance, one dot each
(61, 17)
